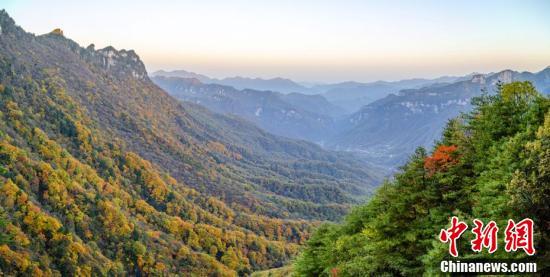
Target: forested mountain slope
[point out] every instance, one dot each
(103, 173)
(491, 164)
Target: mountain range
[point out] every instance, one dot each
(292, 115)
(390, 121)
(275, 84)
(349, 96)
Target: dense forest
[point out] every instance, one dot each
(490, 164)
(103, 173)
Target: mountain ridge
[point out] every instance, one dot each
(277, 84)
(350, 95)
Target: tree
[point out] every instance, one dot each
(230, 258)
(5, 237)
(443, 157)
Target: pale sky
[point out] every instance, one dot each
(324, 41)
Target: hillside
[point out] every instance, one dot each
(103, 173)
(491, 164)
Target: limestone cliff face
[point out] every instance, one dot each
(505, 76)
(479, 79)
(125, 62)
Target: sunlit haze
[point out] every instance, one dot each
(321, 41)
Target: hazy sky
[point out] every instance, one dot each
(307, 40)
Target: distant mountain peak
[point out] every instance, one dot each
(505, 76)
(194, 81)
(182, 74)
(478, 78)
(189, 81)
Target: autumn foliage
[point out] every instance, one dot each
(443, 157)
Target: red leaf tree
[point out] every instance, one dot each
(441, 159)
